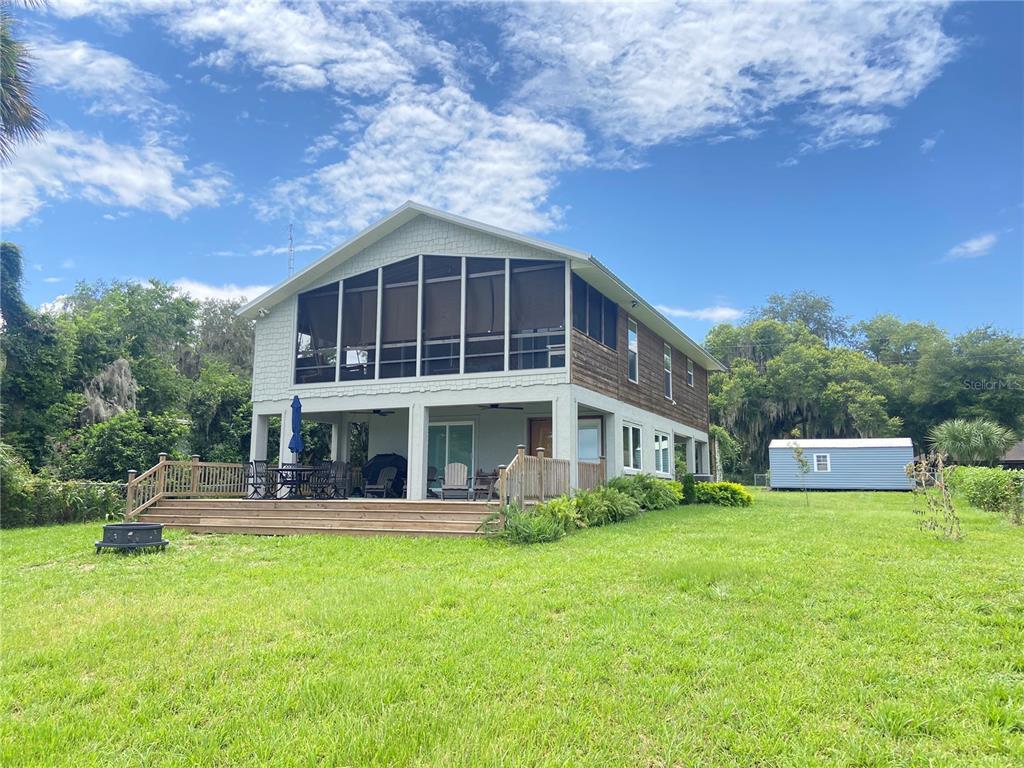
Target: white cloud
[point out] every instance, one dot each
(67, 164)
(440, 147)
(354, 47)
(648, 73)
(67, 264)
(973, 248)
(717, 314)
(280, 250)
(112, 83)
(928, 144)
(229, 291)
(52, 279)
(320, 145)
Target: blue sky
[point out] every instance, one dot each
(709, 154)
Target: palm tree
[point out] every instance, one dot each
(20, 118)
(978, 441)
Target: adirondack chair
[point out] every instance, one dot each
(258, 480)
(456, 482)
(483, 485)
(384, 485)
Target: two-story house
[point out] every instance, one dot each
(456, 341)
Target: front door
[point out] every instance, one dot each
(540, 435)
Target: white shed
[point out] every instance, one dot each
(876, 463)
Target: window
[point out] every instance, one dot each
(485, 315)
(822, 462)
(634, 355)
(662, 453)
(536, 314)
(449, 443)
(632, 457)
(398, 319)
(593, 313)
(589, 439)
(698, 457)
(668, 371)
(442, 314)
(316, 344)
(689, 371)
(359, 327)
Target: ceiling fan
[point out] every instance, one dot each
(376, 412)
(500, 407)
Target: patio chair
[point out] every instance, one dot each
(483, 485)
(384, 485)
(258, 480)
(323, 480)
(342, 479)
(431, 479)
(456, 482)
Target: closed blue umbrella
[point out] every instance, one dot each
(295, 445)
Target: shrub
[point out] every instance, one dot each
(649, 491)
(534, 525)
(990, 488)
(689, 488)
(723, 494)
(604, 505)
(27, 499)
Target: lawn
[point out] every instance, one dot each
(830, 634)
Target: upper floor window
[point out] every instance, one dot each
(536, 314)
(485, 315)
(689, 371)
(633, 365)
(442, 314)
(316, 344)
(399, 311)
(359, 327)
(668, 371)
(593, 313)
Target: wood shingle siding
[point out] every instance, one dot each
(604, 370)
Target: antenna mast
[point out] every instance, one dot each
(291, 251)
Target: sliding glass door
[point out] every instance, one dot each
(449, 444)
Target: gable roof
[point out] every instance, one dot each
(586, 265)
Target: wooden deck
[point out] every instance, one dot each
(352, 517)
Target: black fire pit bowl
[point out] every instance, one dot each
(126, 537)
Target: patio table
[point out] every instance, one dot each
(293, 477)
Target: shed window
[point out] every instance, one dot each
(632, 455)
(822, 462)
(359, 327)
(442, 314)
(398, 319)
(536, 314)
(485, 315)
(633, 366)
(316, 344)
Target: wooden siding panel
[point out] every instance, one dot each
(604, 370)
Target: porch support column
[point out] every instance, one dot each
(564, 427)
(339, 439)
(259, 437)
(416, 480)
(613, 445)
(691, 455)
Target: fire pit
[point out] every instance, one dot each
(126, 537)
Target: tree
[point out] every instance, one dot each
(977, 441)
(803, 466)
(225, 336)
(20, 118)
(127, 441)
(814, 312)
(221, 414)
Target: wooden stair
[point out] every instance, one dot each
(352, 517)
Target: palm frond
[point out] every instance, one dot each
(20, 119)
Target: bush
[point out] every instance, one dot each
(689, 489)
(28, 499)
(990, 488)
(723, 494)
(649, 491)
(534, 525)
(604, 505)
(106, 451)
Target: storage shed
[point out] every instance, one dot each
(877, 463)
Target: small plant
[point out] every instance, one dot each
(648, 491)
(604, 505)
(523, 526)
(723, 494)
(689, 488)
(803, 466)
(933, 497)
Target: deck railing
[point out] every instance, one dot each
(183, 479)
(532, 478)
(590, 474)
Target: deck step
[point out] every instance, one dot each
(326, 514)
(289, 530)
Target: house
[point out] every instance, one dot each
(457, 341)
(877, 463)
(1014, 458)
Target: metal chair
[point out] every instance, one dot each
(456, 482)
(483, 485)
(342, 480)
(323, 480)
(431, 479)
(384, 484)
(258, 480)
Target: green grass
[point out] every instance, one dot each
(835, 634)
